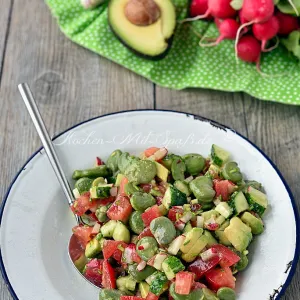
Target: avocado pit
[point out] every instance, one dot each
(142, 12)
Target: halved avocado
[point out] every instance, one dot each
(150, 41)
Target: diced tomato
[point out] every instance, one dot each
(199, 267)
(151, 214)
(158, 155)
(150, 151)
(93, 271)
(83, 233)
(131, 298)
(81, 204)
(184, 282)
(120, 209)
(151, 296)
(145, 232)
(130, 254)
(198, 285)
(112, 248)
(100, 202)
(146, 187)
(228, 257)
(123, 182)
(108, 277)
(99, 161)
(220, 277)
(175, 213)
(224, 188)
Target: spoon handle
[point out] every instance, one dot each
(46, 140)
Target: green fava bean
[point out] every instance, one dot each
(136, 223)
(194, 295)
(202, 188)
(140, 276)
(232, 172)
(195, 163)
(146, 248)
(112, 161)
(178, 169)
(83, 185)
(208, 294)
(226, 293)
(131, 188)
(140, 201)
(110, 294)
(168, 159)
(141, 171)
(125, 161)
(242, 263)
(163, 230)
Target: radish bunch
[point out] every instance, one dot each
(254, 27)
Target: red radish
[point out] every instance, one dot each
(218, 9)
(227, 28)
(248, 49)
(266, 31)
(287, 23)
(243, 21)
(198, 7)
(255, 11)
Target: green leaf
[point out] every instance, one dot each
(286, 7)
(292, 43)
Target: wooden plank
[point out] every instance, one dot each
(6, 9)
(219, 106)
(275, 129)
(70, 83)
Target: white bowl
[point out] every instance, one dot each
(36, 221)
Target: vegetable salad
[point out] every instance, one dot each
(165, 226)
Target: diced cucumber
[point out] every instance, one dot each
(182, 187)
(257, 200)
(188, 227)
(174, 197)
(224, 209)
(100, 192)
(159, 283)
(108, 228)
(158, 260)
(126, 283)
(219, 155)
(220, 220)
(144, 289)
(174, 247)
(83, 184)
(171, 266)
(121, 233)
(210, 214)
(238, 203)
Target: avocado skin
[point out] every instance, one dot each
(149, 57)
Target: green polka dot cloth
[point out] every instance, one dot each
(187, 64)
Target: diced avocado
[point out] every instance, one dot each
(93, 248)
(196, 249)
(257, 200)
(108, 228)
(188, 227)
(171, 266)
(182, 187)
(119, 179)
(174, 197)
(209, 214)
(219, 155)
(162, 172)
(222, 238)
(191, 238)
(83, 184)
(256, 224)
(159, 283)
(213, 171)
(144, 289)
(110, 294)
(238, 203)
(121, 233)
(210, 239)
(100, 192)
(239, 234)
(81, 262)
(224, 209)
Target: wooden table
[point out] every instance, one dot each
(72, 84)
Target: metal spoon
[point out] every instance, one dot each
(76, 252)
